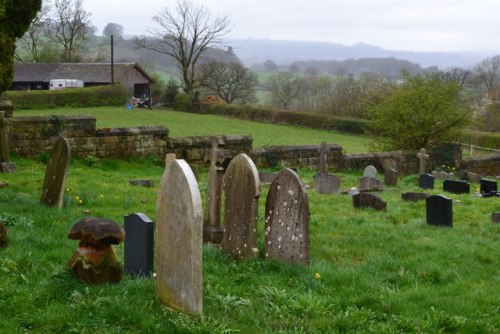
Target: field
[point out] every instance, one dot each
(370, 271)
(182, 124)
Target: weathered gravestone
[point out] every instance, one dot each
(474, 177)
(5, 165)
(267, 177)
(495, 217)
(287, 219)
(391, 177)
(456, 187)
(367, 200)
(439, 211)
(413, 196)
(56, 173)
(442, 175)
(368, 183)
(370, 171)
(147, 183)
(179, 233)
(426, 181)
(139, 245)
(242, 192)
(326, 183)
(212, 231)
(423, 157)
(488, 186)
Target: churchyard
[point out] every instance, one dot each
(361, 260)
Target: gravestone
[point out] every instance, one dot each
(391, 177)
(287, 219)
(439, 211)
(495, 217)
(474, 177)
(179, 233)
(456, 187)
(212, 231)
(426, 181)
(413, 196)
(323, 151)
(5, 165)
(326, 183)
(423, 157)
(241, 193)
(139, 245)
(56, 173)
(367, 200)
(368, 183)
(147, 183)
(488, 186)
(442, 175)
(266, 177)
(370, 171)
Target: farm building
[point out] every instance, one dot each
(38, 76)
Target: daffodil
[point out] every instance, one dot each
(317, 276)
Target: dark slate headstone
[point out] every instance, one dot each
(241, 193)
(426, 181)
(439, 210)
(368, 183)
(367, 200)
(488, 186)
(287, 219)
(456, 187)
(55, 175)
(413, 196)
(147, 183)
(326, 183)
(139, 245)
(391, 177)
(495, 217)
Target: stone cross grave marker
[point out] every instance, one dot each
(323, 151)
(139, 245)
(423, 157)
(179, 233)
(241, 194)
(5, 165)
(456, 187)
(488, 186)
(439, 211)
(56, 173)
(367, 200)
(326, 183)
(287, 219)
(426, 181)
(368, 183)
(391, 177)
(370, 171)
(212, 231)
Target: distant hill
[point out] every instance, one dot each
(252, 51)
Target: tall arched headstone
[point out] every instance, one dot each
(242, 192)
(56, 173)
(179, 259)
(287, 219)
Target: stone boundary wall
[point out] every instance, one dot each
(485, 165)
(297, 156)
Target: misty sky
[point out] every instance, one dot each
(416, 25)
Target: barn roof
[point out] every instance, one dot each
(87, 72)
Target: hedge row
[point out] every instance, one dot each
(480, 138)
(267, 115)
(72, 97)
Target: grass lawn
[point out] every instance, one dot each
(370, 271)
(182, 124)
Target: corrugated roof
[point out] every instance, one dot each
(87, 72)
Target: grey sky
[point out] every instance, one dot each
(416, 25)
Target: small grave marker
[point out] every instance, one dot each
(179, 227)
(287, 219)
(242, 192)
(368, 183)
(413, 196)
(495, 217)
(367, 200)
(139, 245)
(423, 157)
(426, 181)
(391, 177)
(488, 186)
(370, 171)
(326, 183)
(439, 211)
(456, 187)
(56, 173)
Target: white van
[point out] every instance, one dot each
(56, 84)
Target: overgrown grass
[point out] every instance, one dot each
(183, 124)
(379, 272)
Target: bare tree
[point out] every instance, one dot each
(284, 88)
(230, 81)
(69, 28)
(185, 33)
(31, 45)
(488, 72)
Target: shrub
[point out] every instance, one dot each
(183, 102)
